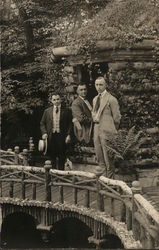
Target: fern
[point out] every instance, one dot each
(121, 145)
(113, 152)
(132, 141)
(130, 137)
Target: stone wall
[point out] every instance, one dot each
(137, 89)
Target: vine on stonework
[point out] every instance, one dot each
(137, 92)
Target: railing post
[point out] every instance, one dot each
(47, 167)
(16, 156)
(87, 199)
(61, 198)
(9, 150)
(31, 152)
(25, 163)
(74, 191)
(30, 142)
(11, 189)
(25, 157)
(0, 185)
(128, 218)
(23, 185)
(100, 200)
(150, 242)
(112, 207)
(34, 191)
(136, 189)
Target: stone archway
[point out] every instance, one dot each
(112, 241)
(71, 233)
(19, 231)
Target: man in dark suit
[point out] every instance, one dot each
(56, 125)
(82, 118)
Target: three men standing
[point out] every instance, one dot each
(106, 117)
(56, 125)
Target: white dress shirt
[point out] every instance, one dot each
(56, 119)
(96, 115)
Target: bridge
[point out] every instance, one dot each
(48, 196)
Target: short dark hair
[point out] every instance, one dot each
(81, 84)
(55, 93)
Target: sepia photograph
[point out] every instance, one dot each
(79, 156)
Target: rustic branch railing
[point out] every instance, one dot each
(25, 157)
(137, 213)
(19, 177)
(77, 180)
(145, 225)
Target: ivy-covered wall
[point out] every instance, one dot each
(136, 86)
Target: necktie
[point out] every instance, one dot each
(97, 103)
(57, 109)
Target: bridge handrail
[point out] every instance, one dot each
(117, 183)
(72, 173)
(7, 152)
(10, 153)
(23, 168)
(150, 210)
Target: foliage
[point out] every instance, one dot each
(137, 92)
(28, 81)
(125, 22)
(127, 149)
(123, 145)
(30, 29)
(56, 23)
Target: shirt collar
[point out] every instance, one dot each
(82, 98)
(103, 93)
(59, 106)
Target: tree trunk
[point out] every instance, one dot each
(28, 30)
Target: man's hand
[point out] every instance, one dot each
(77, 124)
(68, 139)
(44, 136)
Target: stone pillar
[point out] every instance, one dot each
(70, 78)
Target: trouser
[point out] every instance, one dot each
(102, 154)
(57, 151)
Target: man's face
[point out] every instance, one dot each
(100, 85)
(56, 100)
(82, 91)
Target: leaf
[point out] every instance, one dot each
(113, 153)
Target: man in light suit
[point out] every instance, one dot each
(106, 117)
(56, 124)
(82, 117)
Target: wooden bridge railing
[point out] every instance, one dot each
(23, 176)
(138, 214)
(25, 157)
(145, 219)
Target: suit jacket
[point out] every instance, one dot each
(46, 124)
(82, 113)
(109, 114)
